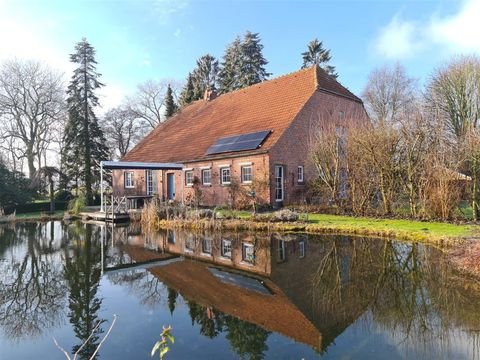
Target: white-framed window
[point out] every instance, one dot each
(301, 248)
(151, 181)
(189, 177)
(206, 176)
(246, 174)
(300, 174)
(281, 250)
(207, 246)
(248, 253)
(128, 180)
(279, 186)
(227, 248)
(225, 175)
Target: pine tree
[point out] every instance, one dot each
(229, 75)
(170, 105)
(187, 95)
(204, 76)
(253, 63)
(316, 54)
(84, 142)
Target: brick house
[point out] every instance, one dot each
(253, 139)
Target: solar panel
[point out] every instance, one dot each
(243, 142)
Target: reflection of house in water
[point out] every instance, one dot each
(304, 278)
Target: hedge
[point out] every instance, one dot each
(35, 207)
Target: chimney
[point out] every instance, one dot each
(210, 94)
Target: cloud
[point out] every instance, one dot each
(458, 32)
(453, 33)
(165, 9)
(397, 39)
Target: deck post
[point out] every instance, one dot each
(101, 186)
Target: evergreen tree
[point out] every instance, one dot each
(170, 105)
(317, 54)
(84, 142)
(187, 95)
(252, 61)
(229, 75)
(243, 63)
(204, 75)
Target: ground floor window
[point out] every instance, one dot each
(207, 246)
(279, 183)
(300, 175)
(227, 248)
(206, 176)
(225, 175)
(246, 174)
(248, 253)
(128, 179)
(190, 243)
(301, 246)
(189, 177)
(281, 250)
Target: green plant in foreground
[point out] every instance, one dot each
(77, 205)
(162, 344)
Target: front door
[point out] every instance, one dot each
(171, 186)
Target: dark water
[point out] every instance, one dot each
(230, 295)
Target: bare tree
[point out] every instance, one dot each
(31, 104)
(389, 93)
(148, 103)
(122, 129)
(454, 93)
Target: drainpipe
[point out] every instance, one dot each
(101, 186)
(182, 178)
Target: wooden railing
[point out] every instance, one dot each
(116, 204)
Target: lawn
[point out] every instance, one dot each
(434, 229)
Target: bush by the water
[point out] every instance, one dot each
(284, 215)
(77, 205)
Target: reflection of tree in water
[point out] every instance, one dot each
(32, 293)
(411, 291)
(172, 299)
(141, 283)
(248, 340)
(82, 272)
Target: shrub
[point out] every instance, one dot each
(77, 205)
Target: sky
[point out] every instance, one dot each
(138, 40)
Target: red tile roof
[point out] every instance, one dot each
(270, 105)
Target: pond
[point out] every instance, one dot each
(229, 295)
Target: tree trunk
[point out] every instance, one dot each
(88, 170)
(31, 163)
(475, 193)
(52, 195)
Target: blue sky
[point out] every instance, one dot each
(157, 39)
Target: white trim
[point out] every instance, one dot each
(225, 165)
(187, 169)
(246, 163)
(205, 167)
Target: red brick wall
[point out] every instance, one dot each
(219, 194)
(293, 148)
(214, 194)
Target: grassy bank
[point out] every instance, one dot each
(40, 216)
(432, 232)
